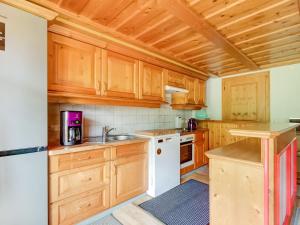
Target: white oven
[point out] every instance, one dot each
(187, 150)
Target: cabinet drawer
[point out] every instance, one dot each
(130, 149)
(78, 159)
(72, 210)
(67, 183)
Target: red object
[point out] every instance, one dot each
(291, 182)
(265, 143)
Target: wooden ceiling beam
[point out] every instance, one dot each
(198, 23)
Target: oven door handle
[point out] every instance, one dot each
(186, 144)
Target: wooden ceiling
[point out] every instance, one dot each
(219, 37)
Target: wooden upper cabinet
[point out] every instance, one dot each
(73, 66)
(190, 86)
(176, 79)
(246, 97)
(200, 92)
(119, 75)
(151, 82)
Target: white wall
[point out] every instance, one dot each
(284, 94)
(23, 80)
(124, 119)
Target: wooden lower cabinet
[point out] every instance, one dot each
(74, 209)
(219, 132)
(85, 183)
(71, 182)
(129, 178)
(201, 146)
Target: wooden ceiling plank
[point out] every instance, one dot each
(214, 51)
(221, 8)
(138, 8)
(169, 35)
(286, 39)
(262, 20)
(277, 48)
(279, 59)
(193, 49)
(153, 26)
(182, 42)
(250, 13)
(282, 63)
(181, 11)
(32, 8)
(291, 23)
(280, 54)
(115, 9)
(158, 21)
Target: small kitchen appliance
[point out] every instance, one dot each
(70, 127)
(192, 124)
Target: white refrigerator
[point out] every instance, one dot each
(23, 119)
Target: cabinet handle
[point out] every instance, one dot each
(85, 206)
(116, 170)
(85, 158)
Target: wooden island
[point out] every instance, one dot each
(254, 181)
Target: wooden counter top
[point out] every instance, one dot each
(246, 151)
(263, 130)
(159, 132)
(91, 146)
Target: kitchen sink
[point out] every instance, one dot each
(110, 138)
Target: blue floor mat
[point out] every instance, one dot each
(186, 204)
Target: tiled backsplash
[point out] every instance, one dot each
(124, 119)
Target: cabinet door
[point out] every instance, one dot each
(119, 75)
(151, 82)
(73, 66)
(79, 207)
(205, 146)
(202, 92)
(129, 177)
(246, 98)
(190, 86)
(176, 79)
(199, 149)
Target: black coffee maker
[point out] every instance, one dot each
(70, 127)
(192, 124)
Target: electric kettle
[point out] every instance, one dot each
(192, 124)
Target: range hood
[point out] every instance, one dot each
(172, 89)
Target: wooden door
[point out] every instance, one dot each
(73, 66)
(246, 97)
(151, 82)
(119, 76)
(176, 79)
(129, 177)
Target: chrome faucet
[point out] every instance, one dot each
(105, 132)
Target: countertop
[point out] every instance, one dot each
(87, 146)
(160, 132)
(263, 130)
(246, 151)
